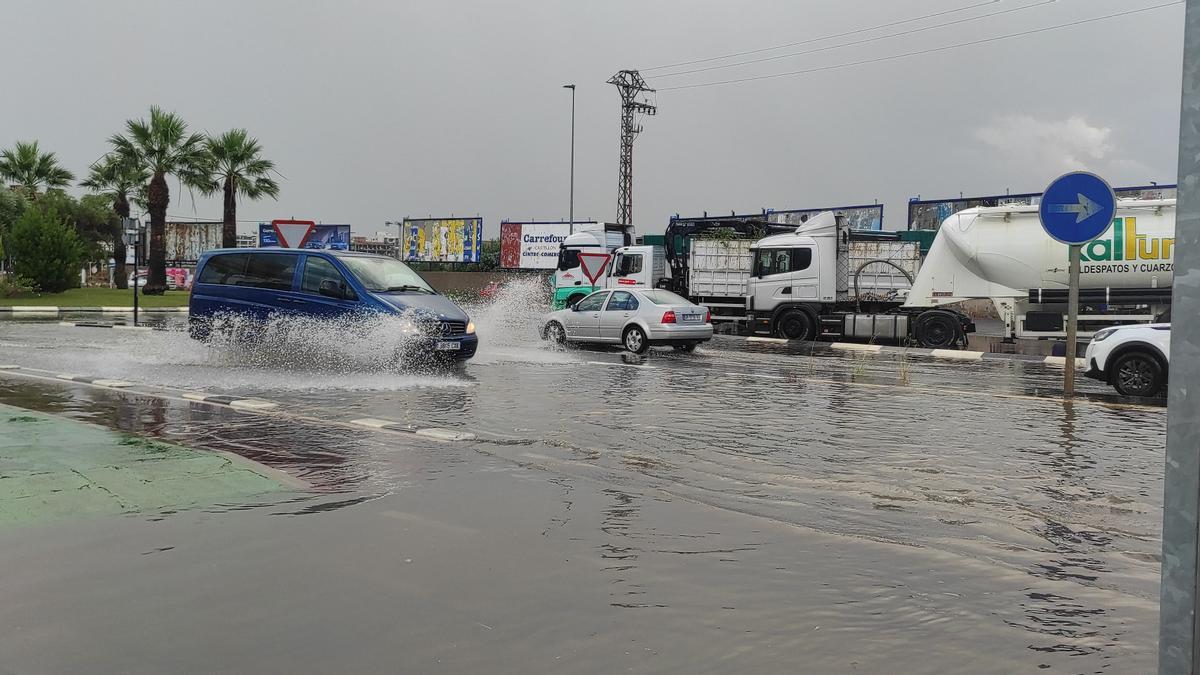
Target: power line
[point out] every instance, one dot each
(824, 37)
(1035, 5)
(926, 51)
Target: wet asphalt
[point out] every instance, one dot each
(751, 507)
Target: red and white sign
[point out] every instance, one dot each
(293, 233)
(593, 265)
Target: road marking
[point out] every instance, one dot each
(755, 375)
(446, 434)
(755, 338)
(195, 396)
(854, 347)
(35, 309)
(1062, 361)
(66, 376)
(956, 354)
(619, 365)
(9, 366)
(117, 384)
(373, 423)
(121, 326)
(252, 404)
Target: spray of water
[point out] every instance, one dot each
(509, 324)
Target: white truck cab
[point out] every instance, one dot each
(570, 282)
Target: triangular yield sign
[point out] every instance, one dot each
(292, 233)
(593, 265)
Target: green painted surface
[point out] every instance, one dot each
(96, 297)
(52, 467)
(561, 295)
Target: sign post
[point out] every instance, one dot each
(133, 237)
(1076, 208)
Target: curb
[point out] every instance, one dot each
(945, 354)
(118, 326)
(51, 309)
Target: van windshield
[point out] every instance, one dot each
(383, 275)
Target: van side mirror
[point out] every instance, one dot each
(332, 289)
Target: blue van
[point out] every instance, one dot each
(264, 282)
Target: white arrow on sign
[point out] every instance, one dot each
(1083, 210)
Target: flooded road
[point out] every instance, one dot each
(748, 507)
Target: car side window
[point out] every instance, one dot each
(224, 269)
(317, 270)
(592, 302)
(622, 301)
(270, 270)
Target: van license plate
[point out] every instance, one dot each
(447, 346)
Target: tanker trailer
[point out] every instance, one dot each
(1003, 255)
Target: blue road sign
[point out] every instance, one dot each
(1077, 207)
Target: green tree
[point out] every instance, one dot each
(161, 145)
(27, 167)
(237, 169)
(46, 249)
(12, 205)
(118, 181)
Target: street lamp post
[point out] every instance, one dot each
(571, 208)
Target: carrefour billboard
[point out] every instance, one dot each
(533, 245)
(441, 239)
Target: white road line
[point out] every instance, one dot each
(756, 376)
(36, 309)
(619, 365)
(195, 395)
(116, 310)
(252, 404)
(372, 423)
(122, 326)
(754, 338)
(446, 434)
(118, 384)
(956, 354)
(1062, 361)
(855, 347)
(9, 366)
(65, 376)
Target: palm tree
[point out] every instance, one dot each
(161, 146)
(238, 170)
(27, 167)
(118, 180)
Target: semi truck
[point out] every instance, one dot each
(570, 282)
(1002, 254)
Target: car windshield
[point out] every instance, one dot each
(661, 297)
(383, 275)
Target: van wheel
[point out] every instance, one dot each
(796, 324)
(1137, 374)
(937, 330)
(635, 340)
(554, 332)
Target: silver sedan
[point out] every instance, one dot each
(634, 318)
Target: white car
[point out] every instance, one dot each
(1133, 359)
(635, 317)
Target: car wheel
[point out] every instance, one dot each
(937, 330)
(1137, 374)
(796, 324)
(686, 349)
(635, 340)
(554, 332)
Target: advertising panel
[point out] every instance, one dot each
(532, 245)
(303, 234)
(186, 241)
(928, 214)
(863, 217)
(441, 239)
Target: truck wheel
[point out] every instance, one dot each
(635, 340)
(937, 330)
(795, 324)
(554, 332)
(1137, 374)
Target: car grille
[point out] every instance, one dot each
(454, 328)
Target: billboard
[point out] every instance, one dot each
(441, 239)
(861, 217)
(533, 245)
(303, 234)
(186, 241)
(928, 214)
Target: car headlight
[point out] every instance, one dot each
(1102, 335)
(470, 328)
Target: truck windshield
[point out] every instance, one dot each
(568, 259)
(385, 274)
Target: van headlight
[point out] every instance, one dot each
(1103, 334)
(470, 328)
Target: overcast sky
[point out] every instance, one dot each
(378, 110)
